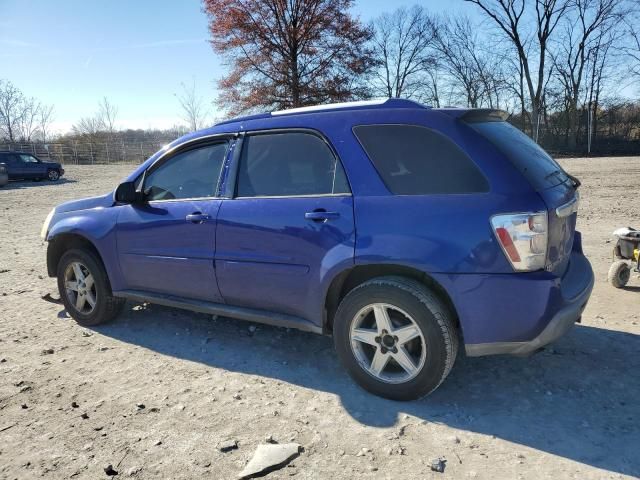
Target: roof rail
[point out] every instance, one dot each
(387, 102)
(330, 106)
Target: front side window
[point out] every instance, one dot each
(288, 164)
(190, 174)
(415, 160)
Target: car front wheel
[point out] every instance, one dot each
(85, 290)
(53, 175)
(395, 338)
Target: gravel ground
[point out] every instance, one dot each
(71, 398)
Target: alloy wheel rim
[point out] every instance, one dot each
(80, 288)
(53, 175)
(387, 343)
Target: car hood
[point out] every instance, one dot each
(86, 203)
(52, 164)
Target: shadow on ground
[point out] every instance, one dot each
(19, 184)
(578, 400)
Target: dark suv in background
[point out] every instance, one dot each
(24, 166)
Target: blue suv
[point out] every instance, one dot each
(398, 229)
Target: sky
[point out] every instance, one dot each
(71, 53)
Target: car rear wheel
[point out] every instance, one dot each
(619, 274)
(395, 338)
(85, 290)
(53, 175)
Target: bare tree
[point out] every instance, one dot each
(194, 111)
(475, 73)
(597, 74)
(45, 119)
(586, 22)
(28, 123)
(87, 126)
(107, 115)
(511, 17)
(402, 48)
(11, 110)
(634, 52)
(632, 47)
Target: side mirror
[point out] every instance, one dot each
(126, 193)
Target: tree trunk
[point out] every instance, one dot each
(573, 124)
(295, 79)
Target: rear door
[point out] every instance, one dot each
(167, 244)
(17, 168)
(546, 176)
(289, 224)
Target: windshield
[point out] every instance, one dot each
(536, 165)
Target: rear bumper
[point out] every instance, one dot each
(559, 324)
(520, 313)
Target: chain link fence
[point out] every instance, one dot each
(88, 153)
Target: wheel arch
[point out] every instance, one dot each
(63, 242)
(350, 278)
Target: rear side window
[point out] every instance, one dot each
(10, 159)
(288, 164)
(531, 160)
(415, 160)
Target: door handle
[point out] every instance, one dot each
(321, 215)
(197, 217)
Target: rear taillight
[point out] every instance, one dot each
(523, 238)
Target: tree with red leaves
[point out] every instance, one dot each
(288, 53)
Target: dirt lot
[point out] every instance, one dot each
(569, 412)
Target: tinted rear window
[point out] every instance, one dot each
(414, 160)
(529, 158)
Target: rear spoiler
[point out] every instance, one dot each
(471, 115)
(484, 115)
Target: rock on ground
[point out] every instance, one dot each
(270, 457)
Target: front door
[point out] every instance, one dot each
(289, 226)
(32, 167)
(167, 243)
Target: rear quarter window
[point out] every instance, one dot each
(415, 160)
(527, 156)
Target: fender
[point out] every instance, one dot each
(97, 226)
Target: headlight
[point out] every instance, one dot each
(45, 225)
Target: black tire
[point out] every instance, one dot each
(619, 273)
(53, 175)
(106, 306)
(427, 311)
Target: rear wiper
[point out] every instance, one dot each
(576, 183)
